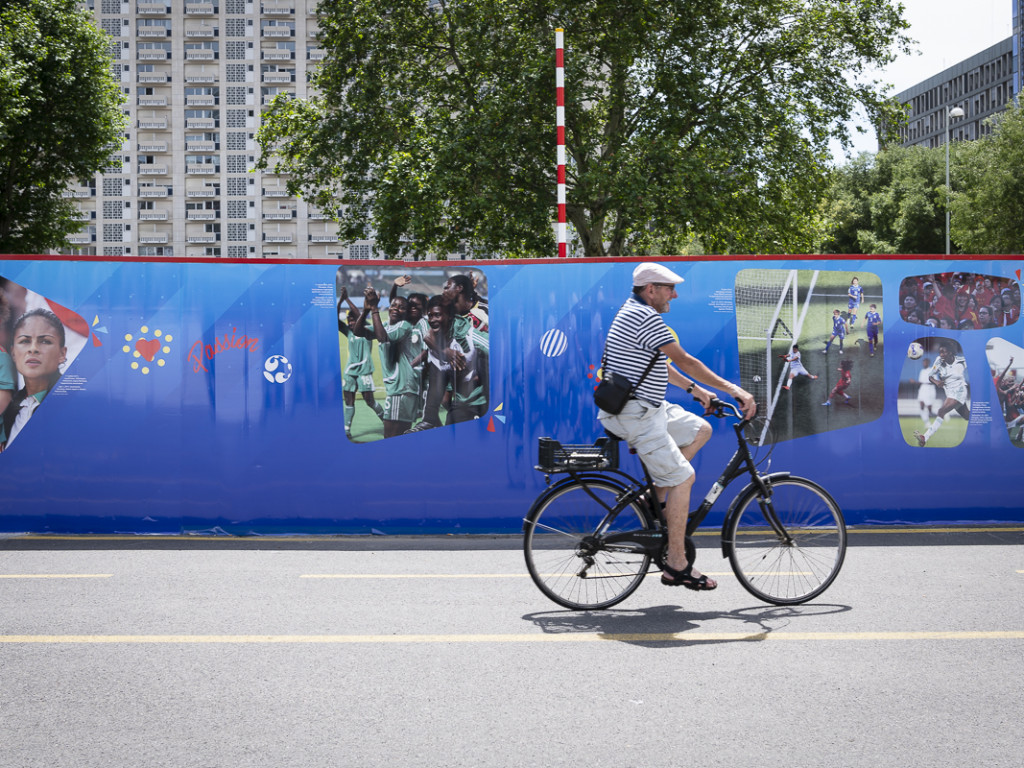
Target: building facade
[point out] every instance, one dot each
(196, 75)
(981, 86)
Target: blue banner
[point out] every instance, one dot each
(389, 397)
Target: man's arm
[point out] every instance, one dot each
(698, 372)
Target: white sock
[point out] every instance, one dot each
(932, 429)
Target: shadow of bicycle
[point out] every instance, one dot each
(666, 626)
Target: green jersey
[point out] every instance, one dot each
(360, 361)
(396, 356)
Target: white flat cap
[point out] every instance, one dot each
(649, 272)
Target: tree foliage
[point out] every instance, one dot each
(60, 118)
(891, 202)
(434, 122)
(988, 188)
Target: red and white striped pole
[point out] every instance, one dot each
(560, 119)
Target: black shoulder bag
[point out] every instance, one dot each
(615, 390)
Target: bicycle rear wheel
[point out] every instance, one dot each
(794, 567)
(564, 555)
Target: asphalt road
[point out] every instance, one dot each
(381, 653)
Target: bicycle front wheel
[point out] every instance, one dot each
(798, 562)
(563, 550)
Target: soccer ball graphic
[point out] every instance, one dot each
(277, 369)
(915, 350)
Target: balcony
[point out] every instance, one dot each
(323, 238)
(201, 32)
(278, 32)
(81, 239)
(152, 170)
(153, 147)
(275, 193)
(279, 215)
(203, 215)
(201, 170)
(78, 193)
(202, 77)
(200, 122)
(202, 238)
(278, 55)
(153, 191)
(278, 77)
(151, 9)
(200, 55)
(201, 146)
(153, 124)
(154, 77)
(278, 9)
(152, 101)
(277, 238)
(200, 101)
(207, 191)
(146, 54)
(145, 215)
(199, 9)
(153, 32)
(317, 54)
(153, 238)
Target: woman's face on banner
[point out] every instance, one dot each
(37, 350)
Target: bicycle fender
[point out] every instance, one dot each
(749, 489)
(568, 480)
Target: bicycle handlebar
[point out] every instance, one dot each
(718, 408)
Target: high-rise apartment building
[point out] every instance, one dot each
(196, 74)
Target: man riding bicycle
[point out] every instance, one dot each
(664, 435)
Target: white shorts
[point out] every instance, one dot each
(657, 433)
(956, 390)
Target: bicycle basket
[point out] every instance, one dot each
(552, 456)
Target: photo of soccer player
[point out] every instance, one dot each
(950, 390)
(415, 342)
(787, 363)
(1006, 365)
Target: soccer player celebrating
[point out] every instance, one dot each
(950, 373)
(358, 373)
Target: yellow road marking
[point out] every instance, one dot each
(563, 637)
(56, 575)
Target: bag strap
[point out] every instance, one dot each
(647, 370)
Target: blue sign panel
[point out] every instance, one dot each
(359, 397)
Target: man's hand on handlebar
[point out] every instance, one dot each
(747, 403)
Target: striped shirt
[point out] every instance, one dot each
(635, 334)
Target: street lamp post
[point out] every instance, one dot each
(955, 112)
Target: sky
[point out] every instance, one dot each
(947, 32)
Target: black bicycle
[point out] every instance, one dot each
(591, 537)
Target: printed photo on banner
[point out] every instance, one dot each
(934, 397)
(1006, 366)
(811, 349)
(960, 301)
(39, 339)
(415, 349)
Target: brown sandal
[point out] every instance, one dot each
(685, 578)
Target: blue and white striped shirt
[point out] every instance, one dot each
(635, 334)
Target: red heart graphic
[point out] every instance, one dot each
(147, 348)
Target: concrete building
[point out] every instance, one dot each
(196, 74)
(981, 86)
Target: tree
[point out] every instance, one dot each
(60, 118)
(987, 207)
(891, 202)
(434, 121)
